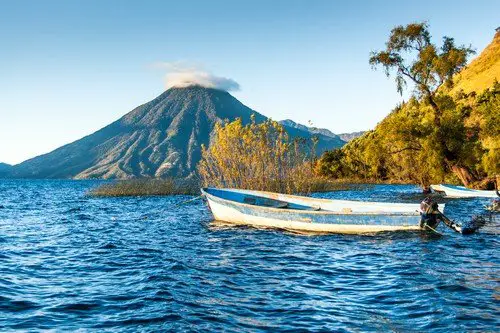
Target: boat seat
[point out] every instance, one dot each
(265, 202)
(250, 200)
(281, 204)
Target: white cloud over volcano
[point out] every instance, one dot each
(179, 75)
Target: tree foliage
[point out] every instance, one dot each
(257, 156)
(403, 147)
(411, 55)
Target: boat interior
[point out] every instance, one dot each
(284, 201)
(255, 200)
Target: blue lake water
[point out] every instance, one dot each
(69, 261)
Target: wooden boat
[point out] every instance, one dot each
(305, 214)
(462, 192)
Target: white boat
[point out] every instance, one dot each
(462, 192)
(305, 214)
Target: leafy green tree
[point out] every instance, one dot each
(414, 58)
(483, 121)
(331, 164)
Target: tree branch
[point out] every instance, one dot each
(404, 149)
(407, 73)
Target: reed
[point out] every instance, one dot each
(146, 187)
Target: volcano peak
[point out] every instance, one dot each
(161, 138)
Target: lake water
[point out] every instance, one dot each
(69, 261)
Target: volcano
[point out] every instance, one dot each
(161, 138)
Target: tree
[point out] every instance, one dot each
(411, 54)
(331, 164)
(256, 156)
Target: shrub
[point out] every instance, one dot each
(258, 157)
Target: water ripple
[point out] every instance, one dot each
(69, 261)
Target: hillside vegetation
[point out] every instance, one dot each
(482, 72)
(261, 156)
(445, 132)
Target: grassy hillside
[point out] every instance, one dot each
(404, 145)
(482, 71)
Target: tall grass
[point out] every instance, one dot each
(146, 187)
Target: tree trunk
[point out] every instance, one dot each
(485, 184)
(448, 161)
(435, 107)
(464, 174)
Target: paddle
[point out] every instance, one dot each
(470, 228)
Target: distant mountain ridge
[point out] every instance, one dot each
(5, 168)
(351, 136)
(312, 130)
(346, 137)
(161, 138)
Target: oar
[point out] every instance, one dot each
(190, 200)
(476, 223)
(452, 225)
(432, 229)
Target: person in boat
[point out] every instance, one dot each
(430, 217)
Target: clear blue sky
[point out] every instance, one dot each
(67, 68)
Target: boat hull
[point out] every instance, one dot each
(463, 192)
(310, 221)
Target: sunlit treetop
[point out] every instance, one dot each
(412, 55)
